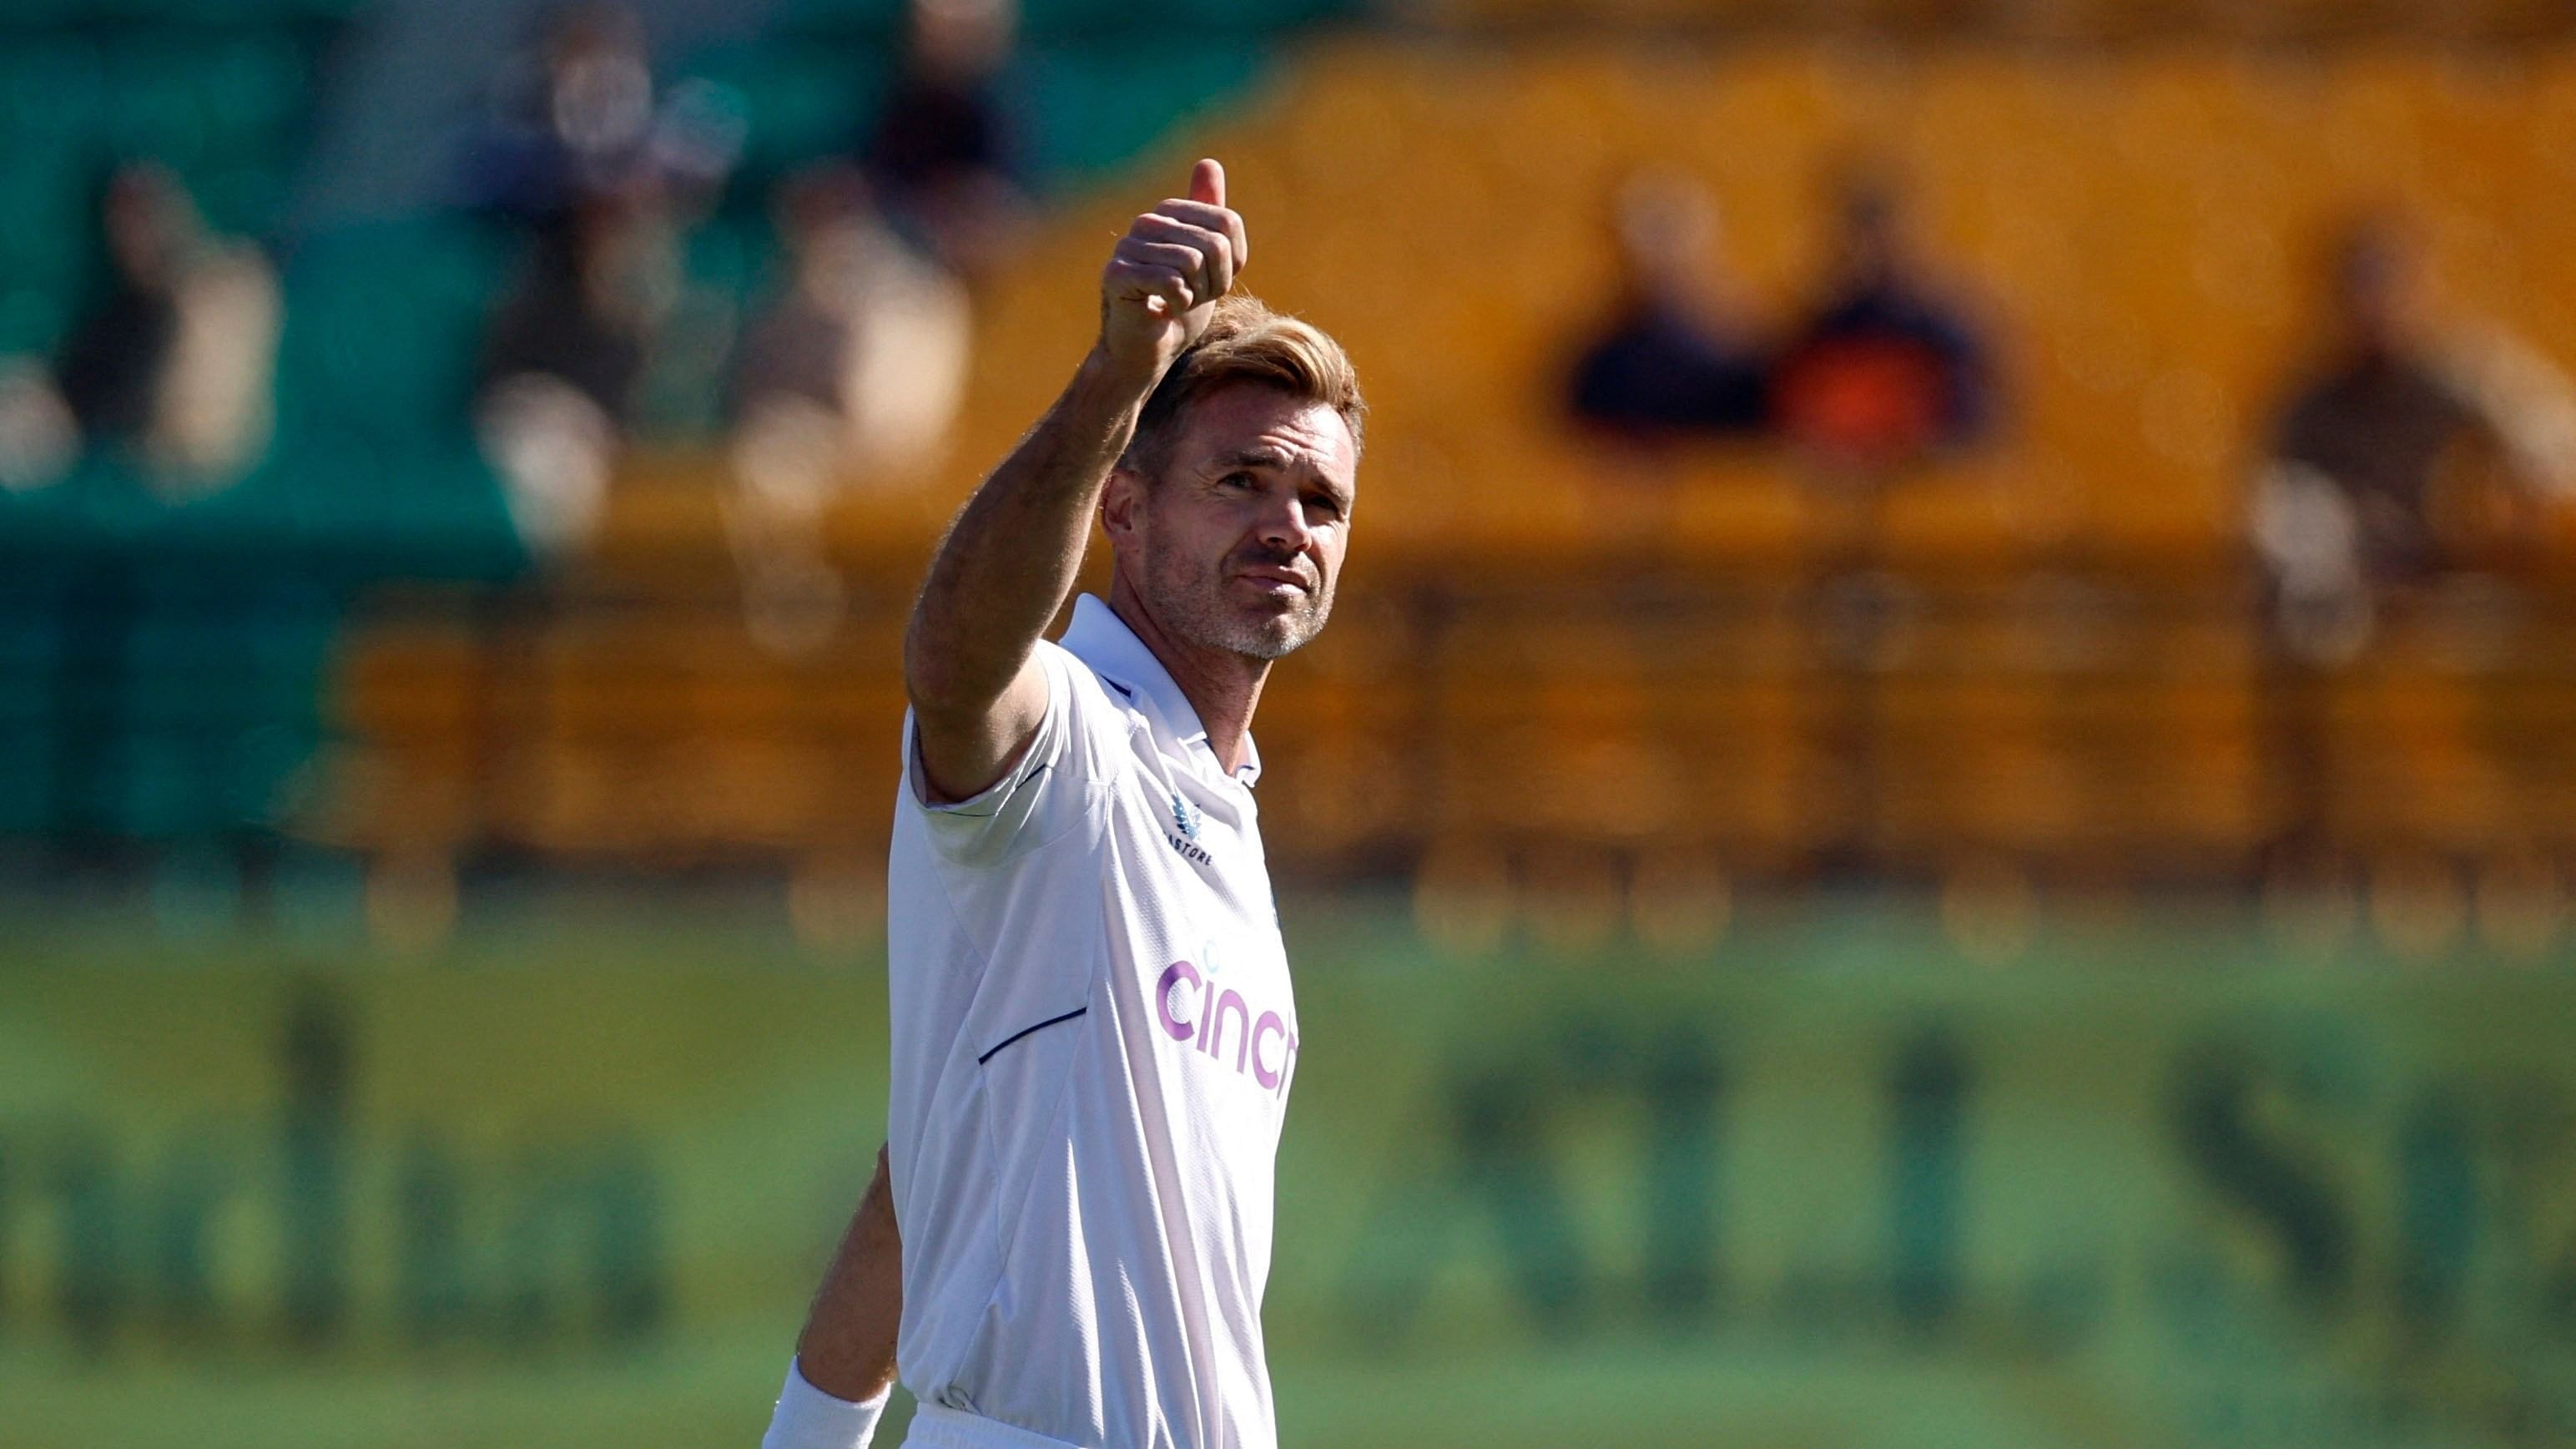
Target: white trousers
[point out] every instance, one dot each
(935, 1427)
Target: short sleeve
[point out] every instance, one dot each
(1042, 792)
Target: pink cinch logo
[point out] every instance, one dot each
(1181, 1002)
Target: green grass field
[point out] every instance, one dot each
(2162, 1181)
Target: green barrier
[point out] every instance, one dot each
(1832, 1187)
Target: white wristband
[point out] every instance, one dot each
(808, 1418)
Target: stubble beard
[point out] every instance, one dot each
(1195, 603)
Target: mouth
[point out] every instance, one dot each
(1275, 581)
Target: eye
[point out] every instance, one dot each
(1238, 479)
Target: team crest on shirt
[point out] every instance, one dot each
(1184, 834)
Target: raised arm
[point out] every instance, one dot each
(1010, 557)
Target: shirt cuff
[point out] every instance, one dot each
(808, 1418)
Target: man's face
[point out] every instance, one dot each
(1237, 542)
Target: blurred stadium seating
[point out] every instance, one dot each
(2043, 653)
(2046, 654)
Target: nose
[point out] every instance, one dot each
(1283, 521)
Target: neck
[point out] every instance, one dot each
(1223, 686)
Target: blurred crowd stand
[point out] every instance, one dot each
(1861, 389)
(1982, 510)
(1924, 632)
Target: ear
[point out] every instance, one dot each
(1122, 506)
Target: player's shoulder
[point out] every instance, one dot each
(1091, 702)
(1090, 689)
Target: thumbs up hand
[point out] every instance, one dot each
(1163, 279)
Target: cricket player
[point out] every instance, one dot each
(1094, 1035)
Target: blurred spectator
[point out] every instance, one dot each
(1886, 369)
(606, 177)
(562, 358)
(853, 374)
(865, 331)
(945, 151)
(2389, 442)
(1670, 362)
(173, 357)
(578, 114)
(589, 294)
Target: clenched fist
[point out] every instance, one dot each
(1167, 272)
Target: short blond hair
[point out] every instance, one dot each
(1247, 342)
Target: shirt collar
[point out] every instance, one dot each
(1102, 640)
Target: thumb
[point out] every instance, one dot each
(1207, 183)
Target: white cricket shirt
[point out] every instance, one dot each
(1093, 1042)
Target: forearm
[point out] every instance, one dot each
(844, 1369)
(1011, 556)
(847, 1347)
